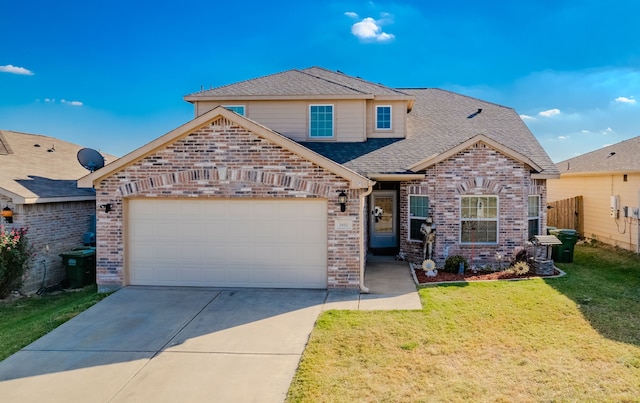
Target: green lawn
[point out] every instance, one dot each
(575, 338)
(25, 320)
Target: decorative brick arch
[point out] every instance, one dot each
(223, 174)
(480, 183)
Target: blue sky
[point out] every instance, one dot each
(111, 75)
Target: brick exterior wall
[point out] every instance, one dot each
(224, 160)
(478, 170)
(60, 226)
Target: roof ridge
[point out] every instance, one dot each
(458, 94)
(332, 82)
(349, 76)
(241, 82)
(601, 149)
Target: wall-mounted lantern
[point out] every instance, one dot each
(342, 199)
(7, 213)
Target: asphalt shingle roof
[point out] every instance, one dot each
(439, 121)
(619, 157)
(34, 166)
(312, 81)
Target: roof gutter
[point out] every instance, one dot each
(544, 176)
(226, 98)
(599, 173)
(395, 177)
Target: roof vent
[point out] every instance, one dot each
(611, 154)
(474, 114)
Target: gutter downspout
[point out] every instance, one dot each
(363, 251)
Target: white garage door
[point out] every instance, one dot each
(230, 243)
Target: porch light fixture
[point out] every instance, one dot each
(342, 199)
(7, 213)
(107, 207)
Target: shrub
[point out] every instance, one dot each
(14, 256)
(452, 263)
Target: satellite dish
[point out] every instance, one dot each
(90, 159)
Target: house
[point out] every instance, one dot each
(292, 179)
(608, 179)
(38, 184)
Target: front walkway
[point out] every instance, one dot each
(391, 287)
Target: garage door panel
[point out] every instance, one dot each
(236, 243)
(191, 275)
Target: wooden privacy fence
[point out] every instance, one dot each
(567, 213)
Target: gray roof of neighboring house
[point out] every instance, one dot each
(619, 157)
(37, 168)
(439, 121)
(313, 81)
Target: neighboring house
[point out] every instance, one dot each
(608, 180)
(38, 183)
(247, 193)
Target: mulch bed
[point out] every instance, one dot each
(498, 275)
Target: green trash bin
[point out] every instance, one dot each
(80, 265)
(564, 253)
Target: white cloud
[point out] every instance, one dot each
(72, 103)
(351, 14)
(585, 131)
(62, 101)
(625, 100)
(15, 70)
(563, 137)
(550, 112)
(370, 30)
(527, 117)
(608, 130)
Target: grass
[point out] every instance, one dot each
(575, 338)
(27, 319)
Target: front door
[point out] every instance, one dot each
(382, 225)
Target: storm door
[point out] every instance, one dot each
(383, 221)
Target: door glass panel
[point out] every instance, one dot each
(383, 214)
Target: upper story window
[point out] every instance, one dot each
(479, 219)
(321, 121)
(239, 109)
(383, 117)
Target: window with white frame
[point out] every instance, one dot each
(239, 109)
(320, 121)
(383, 117)
(534, 215)
(418, 213)
(478, 219)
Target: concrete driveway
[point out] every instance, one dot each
(172, 345)
(146, 344)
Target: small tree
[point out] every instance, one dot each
(14, 257)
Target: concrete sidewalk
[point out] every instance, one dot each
(168, 344)
(391, 287)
